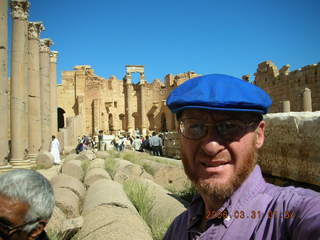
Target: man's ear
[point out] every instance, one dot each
(38, 230)
(260, 134)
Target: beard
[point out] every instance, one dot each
(222, 191)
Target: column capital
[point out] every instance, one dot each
(45, 44)
(20, 9)
(53, 56)
(34, 29)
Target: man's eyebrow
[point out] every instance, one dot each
(6, 221)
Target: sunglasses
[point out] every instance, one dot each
(7, 231)
(227, 130)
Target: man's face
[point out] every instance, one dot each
(12, 213)
(218, 166)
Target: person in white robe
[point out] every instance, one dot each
(55, 150)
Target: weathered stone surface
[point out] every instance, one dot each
(97, 163)
(106, 192)
(60, 224)
(56, 221)
(49, 173)
(69, 150)
(71, 156)
(71, 227)
(127, 170)
(95, 174)
(171, 177)
(102, 154)
(292, 146)
(73, 168)
(67, 201)
(165, 206)
(66, 181)
(113, 223)
(86, 155)
(44, 160)
(171, 146)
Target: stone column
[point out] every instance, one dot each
(45, 94)
(4, 86)
(128, 103)
(143, 116)
(285, 106)
(142, 80)
(34, 113)
(307, 101)
(17, 99)
(53, 92)
(25, 121)
(96, 115)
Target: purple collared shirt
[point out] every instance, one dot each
(256, 210)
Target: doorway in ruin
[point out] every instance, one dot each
(123, 121)
(163, 125)
(61, 121)
(110, 122)
(135, 116)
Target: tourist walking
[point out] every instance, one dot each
(137, 142)
(156, 144)
(55, 150)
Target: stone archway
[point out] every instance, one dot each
(134, 69)
(61, 120)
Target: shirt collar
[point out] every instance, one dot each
(249, 188)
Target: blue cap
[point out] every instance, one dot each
(219, 92)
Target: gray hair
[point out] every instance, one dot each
(32, 188)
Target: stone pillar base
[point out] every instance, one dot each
(5, 168)
(32, 158)
(20, 163)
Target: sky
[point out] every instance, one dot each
(176, 36)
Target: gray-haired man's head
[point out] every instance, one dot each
(27, 199)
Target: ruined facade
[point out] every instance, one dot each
(284, 85)
(117, 105)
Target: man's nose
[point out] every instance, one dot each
(212, 145)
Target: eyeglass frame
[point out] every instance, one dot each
(245, 125)
(9, 231)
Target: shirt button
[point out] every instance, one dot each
(228, 218)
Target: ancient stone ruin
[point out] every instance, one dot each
(92, 203)
(28, 102)
(294, 91)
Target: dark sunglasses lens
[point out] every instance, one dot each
(228, 130)
(194, 130)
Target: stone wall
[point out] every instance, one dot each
(291, 149)
(292, 146)
(283, 85)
